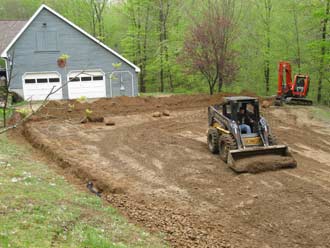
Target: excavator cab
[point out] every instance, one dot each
(300, 86)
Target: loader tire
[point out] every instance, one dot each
(272, 140)
(226, 143)
(213, 140)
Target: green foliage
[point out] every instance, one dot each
(81, 99)
(9, 112)
(23, 111)
(117, 65)
(88, 112)
(64, 56)
(133, 28)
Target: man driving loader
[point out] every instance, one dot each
(244, 120)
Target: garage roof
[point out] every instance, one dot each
(43, 6)
(8, 31)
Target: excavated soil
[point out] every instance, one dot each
(159, 172)
(262, 163)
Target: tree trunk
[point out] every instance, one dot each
(211, 88)
(144, 51)
(295, 17)
(268, 9)
(161, 41)
(220, 83)
(267, 75)
(323, 51)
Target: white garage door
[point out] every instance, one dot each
(37, 86)
(90, 84)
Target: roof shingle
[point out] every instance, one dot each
(8, 30)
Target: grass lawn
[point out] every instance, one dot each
(321, 112)
(39, 208)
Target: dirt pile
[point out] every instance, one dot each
(130, 105)
(264, 163)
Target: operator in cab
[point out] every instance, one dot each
(244, 121)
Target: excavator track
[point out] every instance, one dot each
(298, 101)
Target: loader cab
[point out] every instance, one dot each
(250, 105)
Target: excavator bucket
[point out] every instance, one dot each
(259, 159)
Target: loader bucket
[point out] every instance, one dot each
(259, 159)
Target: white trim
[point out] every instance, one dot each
(110, 76)
(41, 72)
(7, 72)
(86, 71)
(43, 6)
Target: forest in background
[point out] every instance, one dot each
(157, 35)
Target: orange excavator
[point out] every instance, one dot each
(291, 92)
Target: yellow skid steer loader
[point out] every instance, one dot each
(243, 138)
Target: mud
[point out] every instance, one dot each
(159, 173)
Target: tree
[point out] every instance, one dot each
(266, 16)
(164, 11)
(6, 91)
(139, 35)
(97, 11)
(297, 34)
(324, 24)
(208, 46)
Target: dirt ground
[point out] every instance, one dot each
(159, 172)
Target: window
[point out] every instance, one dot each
(46, 41)
(86, 78)
(54, 80)
(74, 79)
(98, 78)
(42, 80)
(30, 81)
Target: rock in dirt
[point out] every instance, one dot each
(157, 114)
(93, 189)
(166, 113)
(109, 122)
(84, 120)
(266, 104)
(95, 118)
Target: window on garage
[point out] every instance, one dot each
(54, 80)
(86, 79)
(42, 80)
(30, 81)
(74, 79)
(98, 78)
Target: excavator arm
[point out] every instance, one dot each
(284, 87)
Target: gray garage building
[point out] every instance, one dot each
(92, 70)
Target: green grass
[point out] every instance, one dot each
(321, 112)
(9, 112)
(39, 208)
